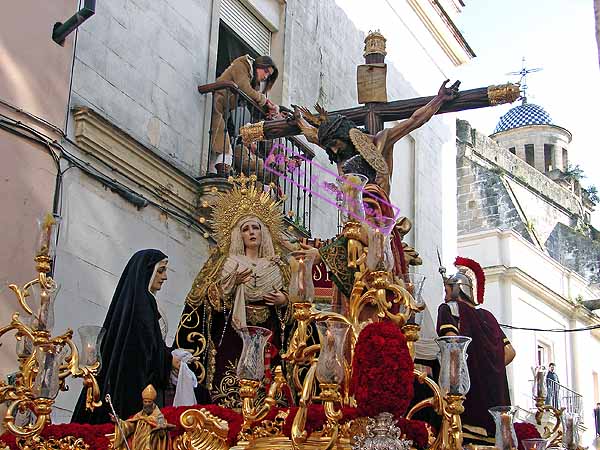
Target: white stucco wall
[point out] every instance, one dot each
(139, 63)
(99, 233)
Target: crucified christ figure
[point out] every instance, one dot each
(355, 151)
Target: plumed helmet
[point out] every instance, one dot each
(469, 280)
(460, 282)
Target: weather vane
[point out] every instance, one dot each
(523, 81)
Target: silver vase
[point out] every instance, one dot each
(381, 434)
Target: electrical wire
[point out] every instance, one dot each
(27, 132)
(552, 330)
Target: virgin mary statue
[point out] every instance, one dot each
(243, 283)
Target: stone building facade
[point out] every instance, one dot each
(530, 231)
(130, 130)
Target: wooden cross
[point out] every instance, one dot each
(371, 81)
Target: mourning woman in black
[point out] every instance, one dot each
(134, 353)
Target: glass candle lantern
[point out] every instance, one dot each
(47, 382)
(379, 255)
(24, 345)
(570, 423)
(302, 288)
(251, 365)
(42, 305)
(539, 390)
(350, 197)
(91, 340)
(504, 416)
(534, 444)
(47, 234)
(332, 336)
(454, 372)
(413, 283)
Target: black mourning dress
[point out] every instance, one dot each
(133, 351)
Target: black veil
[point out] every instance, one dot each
(133, 351)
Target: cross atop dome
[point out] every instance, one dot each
(523, 80)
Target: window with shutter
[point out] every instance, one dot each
(246, 25)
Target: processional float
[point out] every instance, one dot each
(319, 369)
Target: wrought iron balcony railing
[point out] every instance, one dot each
(228, 155)
(560, 396)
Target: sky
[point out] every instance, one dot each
(555, 35)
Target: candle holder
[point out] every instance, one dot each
(539, 388)
(331, 362)
(352, 214)
(329, 369)
(91, 337)
(413, 283)
(570, 424)
(454, 372)
(251, 365)
(250, 372)
(47, 235)
(454, 383)
(350, 197)
(506, 438)
(301, 287)
(45, 362)
(534, 444)
(554, 434)
(47, 381)
(43, 304)
(380, 256)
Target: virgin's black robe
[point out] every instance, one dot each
(133, 351)
(489, 385)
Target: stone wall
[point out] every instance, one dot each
(516, 168)
(483, 201)
(575, 251)
(139, 62)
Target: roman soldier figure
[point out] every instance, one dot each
(489, 352)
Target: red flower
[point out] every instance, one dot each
(525, 430)
(94, 435)
(382, 371)
(414, 430)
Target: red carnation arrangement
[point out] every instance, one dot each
(93, 435)
(382, 371)
(525, 430)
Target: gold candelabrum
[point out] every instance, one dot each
(248, 394)
(376, 295)
(553, 434)
(45, 362)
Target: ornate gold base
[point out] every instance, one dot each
(203, 431)
(284, 443)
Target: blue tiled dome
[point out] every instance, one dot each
(523, 115)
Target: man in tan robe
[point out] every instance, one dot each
(146, 430)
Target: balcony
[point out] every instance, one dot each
(228, 155)
(560, 396)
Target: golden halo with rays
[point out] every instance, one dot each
(245, 200)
